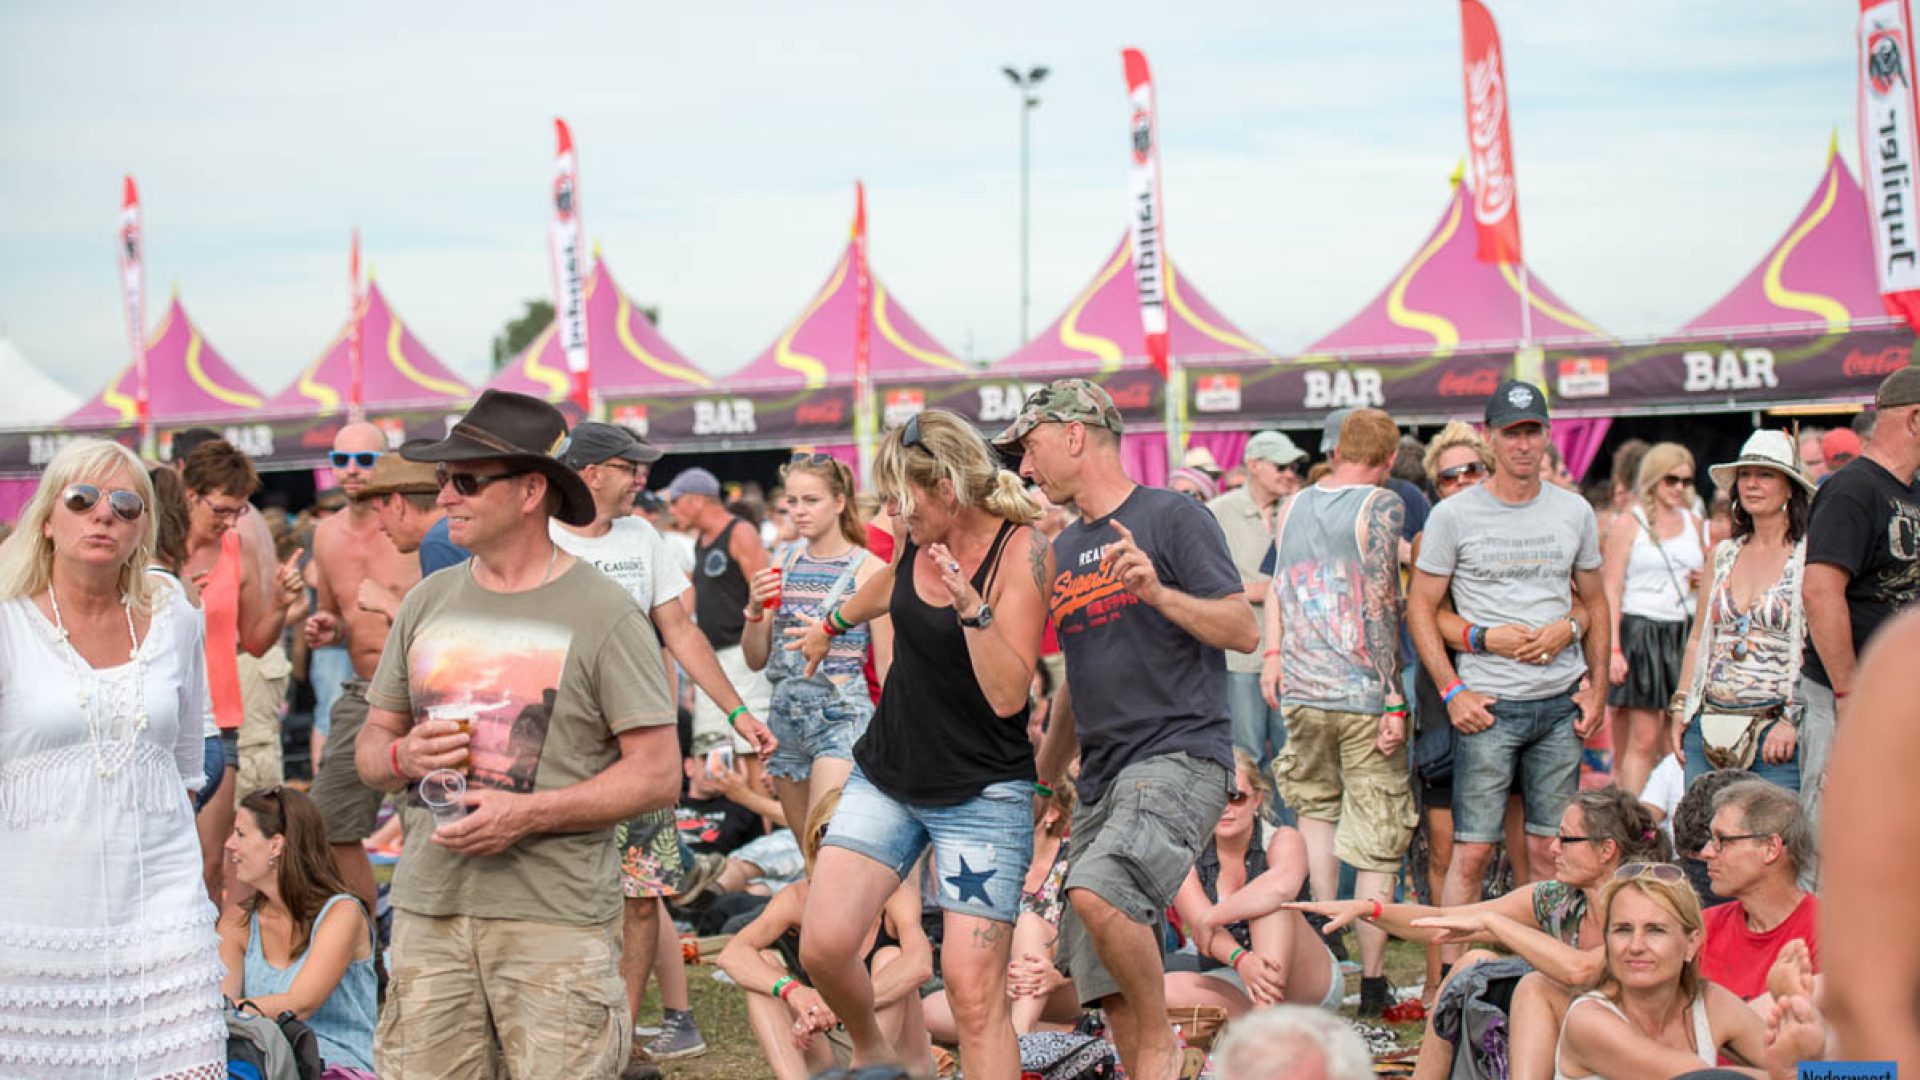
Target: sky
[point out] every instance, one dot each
(1661, 149)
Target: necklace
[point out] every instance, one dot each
(109, 753)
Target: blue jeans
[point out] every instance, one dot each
(980, 847)
(1786, 774)
(1536, 737)
(1259, 730)
(327, 667)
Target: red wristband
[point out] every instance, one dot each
(1377, 909)
(1271, 652)
(1466, 638)
(393, 760)
(1841, 693)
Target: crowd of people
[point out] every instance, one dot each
(1008, 744)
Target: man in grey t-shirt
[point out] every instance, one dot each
(1511, 551)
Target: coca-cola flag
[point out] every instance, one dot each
(356, 367)
(569, 277)
(133, 298)
(1496, 195)
(1147, 214)
(1887, 149)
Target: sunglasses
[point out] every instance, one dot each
(466, 484)
(1720, 840)
(1471, 470)
(1238, 797)
(363, 458)
(126, 505)
(1676, 481)
(1565, 839)
(910, 434)
(804, 458)
(1658, 871)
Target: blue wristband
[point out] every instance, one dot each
(1452, 691)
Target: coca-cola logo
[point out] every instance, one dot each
(1480, 382)
(1886, 64)
(1863, 364)
(1493, 186)
(563, 196)
(1142, 135)
(1138, 396)
(820, 412)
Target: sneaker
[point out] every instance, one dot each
(699, 877)
(1375, 997)
(679, 1038)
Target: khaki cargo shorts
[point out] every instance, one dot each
(1330, 771)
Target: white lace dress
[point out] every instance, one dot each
(109, 963)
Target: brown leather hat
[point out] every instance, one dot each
(521, 431)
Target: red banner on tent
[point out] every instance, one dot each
(133, 298)
(862, 288)
(1887, 148)
(1496, 194)
(569, 275)
(1147, 217)
(356, 368)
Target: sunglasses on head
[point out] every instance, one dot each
(126, 505)
(804, 458)
(1658, 871)
(363, 458)
(1467, 471)
(910, 434)
(466, 484)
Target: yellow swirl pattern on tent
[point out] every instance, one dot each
(1826, 307)
(885, 326)
(1445, 335)
(1537, 303)
(237, 398)
(555, 381)
(809, 367)
(1105, 349)
(413, 374)
(125, 403)
(1224, 337)
(638, 352)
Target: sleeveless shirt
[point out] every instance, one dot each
(720, 590)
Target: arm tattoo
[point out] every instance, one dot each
(1380, 564)
(1038, 550)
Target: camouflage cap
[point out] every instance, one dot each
(1063, 401)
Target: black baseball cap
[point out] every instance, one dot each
(1516, 402)
(593, 442)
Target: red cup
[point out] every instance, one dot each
(774, 600)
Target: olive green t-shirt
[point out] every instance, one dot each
(548, 678)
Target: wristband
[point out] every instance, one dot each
(1271, 652)
(1042, 790)
(827, 627)
(1466, 637)
(1233, 958)
(839, 620)
(1841, 693)
(781, 985)
(1377, 909)
(1393, 710)
(1480, 639)
(752, 618)
(735, 714)
(1451, 691)
(393, 760)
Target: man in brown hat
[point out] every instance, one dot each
(352, 560)
(1863, 566)
(538, 681)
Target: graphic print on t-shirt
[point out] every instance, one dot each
(502, 678)
(1325, 620)
(1088, 595)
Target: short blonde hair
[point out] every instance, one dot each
(1677, 898)
(1456, 433)
(26, 558)
(948, 448)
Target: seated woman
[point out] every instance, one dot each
(1253, 951)
(1552, 926)
(1651, 1013)
(301, 942)
(787, 1015)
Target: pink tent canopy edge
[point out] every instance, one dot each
(187, 380)
(1101, 326)
(1445, 299)
(629, 355)
(397, 370)
(817, 348)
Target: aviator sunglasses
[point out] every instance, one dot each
(1470, 470)
(467, 484)
(126, 505)
(363, 458)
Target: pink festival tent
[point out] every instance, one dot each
(628, 355)
(1817, 276)
(397, 372)
(817, 348)
(1099, 334)
(187, 380)
(1445, 299)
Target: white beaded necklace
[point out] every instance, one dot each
(109, 753)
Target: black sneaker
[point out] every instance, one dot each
(1375, 996)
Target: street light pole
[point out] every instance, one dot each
(1029, 101)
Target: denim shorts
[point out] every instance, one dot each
(980, 847)
(777, 854)
(814, 721)
(1534, 736)
(215, 757)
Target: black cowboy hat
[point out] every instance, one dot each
(522, 431)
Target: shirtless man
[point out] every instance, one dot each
(357, 573)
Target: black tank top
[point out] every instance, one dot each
(1207, 869)
(934, 740)
(719, 591)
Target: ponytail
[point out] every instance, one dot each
(1009, 498)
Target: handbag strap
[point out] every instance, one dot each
(1672, 575)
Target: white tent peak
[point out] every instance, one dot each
(33, 398)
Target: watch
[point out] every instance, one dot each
(982, 618)
(1575, 623)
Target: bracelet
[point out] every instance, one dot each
(839, 620)
(1452, 690)
(1377, 909)
(752, 618)
(827, 627)
(1271, 652)
(735, 714)
(1233, 958)
(1466, 637)
(781, 985)
(1042, 790)
(393, 760)
(1479, 639)
(1395, 710)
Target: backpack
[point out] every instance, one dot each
(1067, 1055)
(263, 1049)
